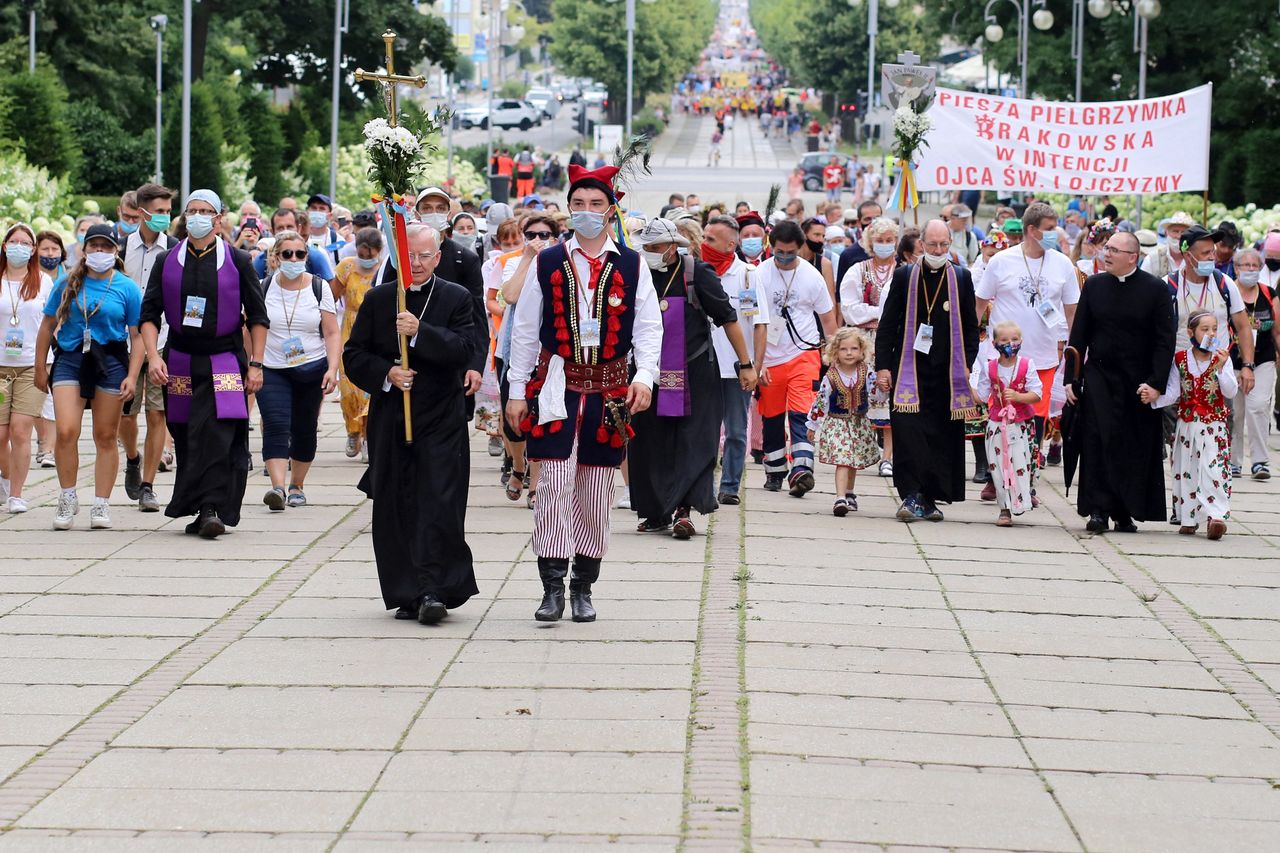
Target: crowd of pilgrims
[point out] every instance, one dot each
(676, 346)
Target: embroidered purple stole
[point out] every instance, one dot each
(906, 397)
(228, 384)
(673, 366)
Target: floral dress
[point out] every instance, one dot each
(839, 416)
(355, 403)
(1202, 441)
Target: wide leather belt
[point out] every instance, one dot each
(589, 378)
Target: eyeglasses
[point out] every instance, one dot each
(537, 235)
(294, 254)
(1116, 250)
(421, 257)
(938, 247)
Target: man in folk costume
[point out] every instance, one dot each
(673, 458)
(1124, 335)
(586, 304)
(208, 292)
(419, 491)
(927, 338)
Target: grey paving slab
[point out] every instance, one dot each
(334, 662)
(453, 811)
(38, 841)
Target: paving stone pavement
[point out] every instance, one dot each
(785, 681)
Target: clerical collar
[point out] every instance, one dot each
(1126, 276)
(416, 287)
(200, 253)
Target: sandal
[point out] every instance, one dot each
(840, 508)
(515, 485)
(1005, 519)
(531, 498)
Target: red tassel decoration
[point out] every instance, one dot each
(557, 278)
(538, 431)
(616, 441)
(608, 352)
(617, 279)
(562, 335)
(557, 307)
(526, 424)
(560, 323)
(602, 434)
(614, 324)
(611, 339)
(555, 426)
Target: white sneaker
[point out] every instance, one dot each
(99, 517)
(16, 505)
(624, 502)
(48, 460)
(68, 506)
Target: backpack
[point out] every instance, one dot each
(1220, 280)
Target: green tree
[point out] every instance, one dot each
(266, 146)
(299, 133)
(590, 41)
(206, 138)
(40, 120)
(114, 160)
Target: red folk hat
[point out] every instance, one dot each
(750, 218)
(599, 179)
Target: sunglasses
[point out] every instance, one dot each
(537, 235)
(294, 254)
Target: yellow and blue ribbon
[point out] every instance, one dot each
(904, 195)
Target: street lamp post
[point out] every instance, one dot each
(1042, 18)
(1147, 11)
(186, 100)
(158, 23)
(452, 84)
(341, 18)
(631, 60)
(31, 36)
(1098, 9)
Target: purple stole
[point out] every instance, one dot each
(228, 384)
(673, 366)
(906, 397)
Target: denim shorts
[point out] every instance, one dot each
(66, 371)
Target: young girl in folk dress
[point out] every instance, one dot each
(1200, 383)
(1011, 387)
(845, 438)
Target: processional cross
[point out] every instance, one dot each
(390, 80)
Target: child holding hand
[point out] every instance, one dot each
(1201, 381)
(845, 437)
(1010, 385)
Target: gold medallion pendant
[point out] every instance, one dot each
(663, 305)
(615, 301)
(946, 306)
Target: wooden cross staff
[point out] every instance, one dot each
(390, 80)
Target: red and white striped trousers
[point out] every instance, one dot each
(571, 515)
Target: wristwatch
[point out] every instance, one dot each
(1249, 365)
(739, 366)
(256, 364)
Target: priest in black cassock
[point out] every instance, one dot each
(419, 491)
(1124, 332)
(926, 341)
(207, 290)
(673, 455)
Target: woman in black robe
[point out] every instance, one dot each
(419, 491)
(672, 460)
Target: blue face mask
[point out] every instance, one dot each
(1209, 343)
(752, 246)
(785, 260)
(368, 263)
(1009, 350)
(1049, 241)
(50, 263)
(1205, 268)
(199, 225)
(292, 269)
(588, 223)
(128, 227)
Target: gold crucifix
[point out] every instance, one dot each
(391, 79)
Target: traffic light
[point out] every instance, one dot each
(848, 110)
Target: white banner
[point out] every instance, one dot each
(978, 141)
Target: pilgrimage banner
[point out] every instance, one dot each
(1156, 145)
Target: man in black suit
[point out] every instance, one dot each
(459, 265)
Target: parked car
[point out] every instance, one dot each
(569, 91)
(595, 95)
(545, 100)
(815, 161)
(506, 114)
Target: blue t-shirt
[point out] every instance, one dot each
(317, 264)
(121, 306)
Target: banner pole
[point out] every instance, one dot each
(1204, 213)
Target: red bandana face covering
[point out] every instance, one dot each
(720, 260)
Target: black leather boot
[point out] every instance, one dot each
(586, 571)
(553, 572)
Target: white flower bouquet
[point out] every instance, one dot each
(398, 155)
(909, 131)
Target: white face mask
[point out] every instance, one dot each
(935, 261)
(100, 261)
(883, 250)
(655, 260)
(199, 225)
(317, 218)
(437, 221)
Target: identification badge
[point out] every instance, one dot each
(293, 352)
(1255, 340)
(747, 305)
(13, 339)
(775, 333)
(1049, 313)
(924, 339)
(88, 340)
(589, 332)
(193, 314)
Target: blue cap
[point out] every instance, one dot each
(323, 199)
(486, 204)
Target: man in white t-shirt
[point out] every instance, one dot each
(1199, 286)
(796, 292)
(1034, 285)
(739, 282)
